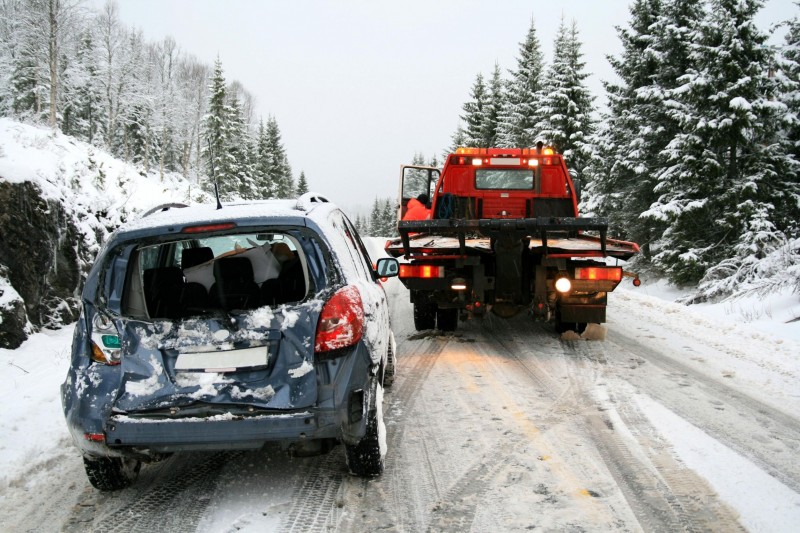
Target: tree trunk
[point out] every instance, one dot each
(53, 9)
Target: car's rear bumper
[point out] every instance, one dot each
(219, 432)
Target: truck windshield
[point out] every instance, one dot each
(496, 178)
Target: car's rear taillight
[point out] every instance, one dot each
(599, 273)
(341, 322)
(106, 342)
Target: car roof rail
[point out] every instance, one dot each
(163, 207)
(307, 201)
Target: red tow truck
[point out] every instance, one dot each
(504, 236)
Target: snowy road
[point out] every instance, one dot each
(673, 423)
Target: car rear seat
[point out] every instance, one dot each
(195, 298)
(234, 287)
(163, 288)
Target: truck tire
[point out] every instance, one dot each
(365, 459)
(111, 473)
(447, 319)
(424, 316)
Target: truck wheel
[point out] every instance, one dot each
(365, 459)
(111, 473)
(424, 316)
(447, 319)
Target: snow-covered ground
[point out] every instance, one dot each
(753, 352)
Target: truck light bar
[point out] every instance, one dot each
(599, 273)
(421, 271)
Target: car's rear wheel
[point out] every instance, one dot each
(111, 473)
(365, 458)
(388, 373)
(447, 319)
(424, 316)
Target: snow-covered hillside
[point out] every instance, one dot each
(60, 199)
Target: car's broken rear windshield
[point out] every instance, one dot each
(179, 279)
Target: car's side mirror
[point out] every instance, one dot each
(387, 267)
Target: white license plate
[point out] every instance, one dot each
(227, 361)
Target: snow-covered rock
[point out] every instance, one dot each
(59, 200)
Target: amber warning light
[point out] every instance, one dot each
(421, 271)
(599, 273)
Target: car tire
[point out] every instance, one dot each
(111, 473)
(365, 459)
(447, 319)
(424, 316)
(388, 373)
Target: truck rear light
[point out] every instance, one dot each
(341, 322)
(599, 273)
(421, 271)
(458, 284)
(477, 161)
(563, 284)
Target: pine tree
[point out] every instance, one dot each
(730, 190)
(632, 133)
(790, 94)
(495, 103)
(567, 104)
(458, 139)
(216, 135)
(375, 222)
(302, 184)
(280, 172)
(473, 116)
(520, 112)
(238, 151)
(262, 164)
(388, 219)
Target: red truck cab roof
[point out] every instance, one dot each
(505, 183)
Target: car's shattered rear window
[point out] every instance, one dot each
(225, 273)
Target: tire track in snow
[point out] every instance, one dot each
(664, 494)
(768, 437)
(316, 497)
(175, 499)
(658, 506)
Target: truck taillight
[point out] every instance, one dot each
(599, 273)
(341, 322)
(421, 271)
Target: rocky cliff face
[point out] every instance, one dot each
(59, 201)
(44, 259)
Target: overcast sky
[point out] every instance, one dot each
(359, 86)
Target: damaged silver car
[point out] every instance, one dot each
(209, 329)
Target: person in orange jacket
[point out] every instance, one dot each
(417, 208)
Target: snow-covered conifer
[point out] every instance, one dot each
(474, 113)
(729, 186)
(566, 104)
(520, 111)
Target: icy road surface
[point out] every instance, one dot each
(672, 423)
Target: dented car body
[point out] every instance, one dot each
(207, 329)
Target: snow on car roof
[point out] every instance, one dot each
(176, 217)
